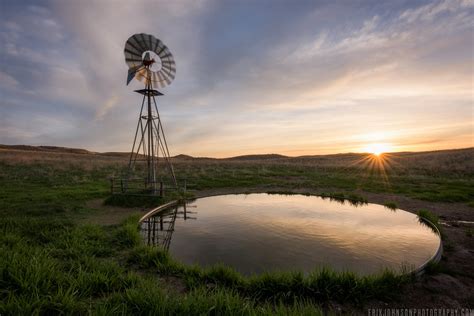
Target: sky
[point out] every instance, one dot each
(252, 77)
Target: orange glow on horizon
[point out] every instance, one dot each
(378, 148)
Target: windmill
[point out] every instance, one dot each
(150, 62)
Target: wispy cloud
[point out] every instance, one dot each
(251, 76)
(102, 110)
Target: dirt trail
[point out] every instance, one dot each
(106, 214)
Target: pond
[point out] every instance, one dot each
(261, 232)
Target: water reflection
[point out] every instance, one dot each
(430, 225)
(343, 200)
(259, 232)
(340, 198)
(158, 230)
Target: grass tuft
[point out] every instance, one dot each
(223, 275)
(391, 205)
(127, 234)
(352, 198)
(148, 257)
(429, 218)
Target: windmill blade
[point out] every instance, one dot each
(154, 78)
(133, 49)
(137, 40)
(160, 48)
(156, 44)
(143, 40)
(150, 42)
(166, 72)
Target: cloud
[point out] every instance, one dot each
(8, 81)
(109, 104)
(432, 10)
(274, 80)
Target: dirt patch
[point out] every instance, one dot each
(106, 214)
(174, 284)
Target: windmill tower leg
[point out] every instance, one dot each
(164, 145)
(152, 143)
(151, 170)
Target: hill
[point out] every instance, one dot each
(452, 160)
(258, 157)
(46, 149)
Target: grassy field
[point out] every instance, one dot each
(53, 262)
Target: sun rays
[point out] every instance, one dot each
(378, 164)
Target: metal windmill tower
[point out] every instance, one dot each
(150, 62)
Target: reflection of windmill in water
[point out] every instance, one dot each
(149, 61)
(158, 229)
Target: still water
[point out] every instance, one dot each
(263, 232)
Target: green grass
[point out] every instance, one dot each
(430, 219)
(421, 184)
(391, 205)
(77, 270)
(126, 235)
(51, 264)
(148, 299)
(341, 197)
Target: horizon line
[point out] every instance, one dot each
(229, 157)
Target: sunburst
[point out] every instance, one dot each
(375, 163)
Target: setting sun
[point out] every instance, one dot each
(378, 149)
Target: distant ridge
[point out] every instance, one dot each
(114, 154)
(183, 157)
(468, 152)
(258, 157)
(47, 149)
